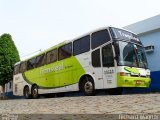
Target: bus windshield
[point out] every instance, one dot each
(128, 48)
(131, 54)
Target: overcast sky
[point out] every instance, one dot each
(40, 24)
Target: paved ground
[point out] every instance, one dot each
(128, 104)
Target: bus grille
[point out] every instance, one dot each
(138, 76)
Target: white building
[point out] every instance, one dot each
(0, 90)
(8, 89)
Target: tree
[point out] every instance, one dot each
(9, 55)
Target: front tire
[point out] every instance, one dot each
(34, 92)
(88, 86)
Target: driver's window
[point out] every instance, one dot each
(107, 56)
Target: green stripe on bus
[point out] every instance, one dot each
(59, 74)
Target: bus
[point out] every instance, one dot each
(108, 58)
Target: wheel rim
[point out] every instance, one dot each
(26, 92)
(35, 92)
(88, 87)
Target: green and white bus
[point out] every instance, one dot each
(109, 58)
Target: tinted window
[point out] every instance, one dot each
(40, 60)
(96, 58)
(16, 69)
(31, 63)
(99, 38)
(81, 45)
(65, 51)
(52, 56)
(23, 67)
(107, 56)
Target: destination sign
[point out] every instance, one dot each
(120, 34)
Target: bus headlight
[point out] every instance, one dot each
(124, 74)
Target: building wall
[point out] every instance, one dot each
(0, 90)
(153, 58)
(8, 90)
(8, 87)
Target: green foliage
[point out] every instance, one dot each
(8, 57)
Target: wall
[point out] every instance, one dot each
(153, 58)
(8, 86)
(0, 90)
(152, 38)
(8, 89)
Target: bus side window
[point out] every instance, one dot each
(31, 63)
(23, 67)
(51, 56)
(40, 60)
(81, 45)
(107, 56)
(16, 69)
(65, 51)
(99, 38)
(96, 62)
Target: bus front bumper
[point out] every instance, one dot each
(125, 81)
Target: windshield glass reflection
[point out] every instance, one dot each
(130, 54)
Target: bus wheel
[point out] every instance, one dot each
(26, 92)
(115, 91)
(34, 92)
(88, 86)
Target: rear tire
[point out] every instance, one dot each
(88, 86)
(26, 92)
(34, 92)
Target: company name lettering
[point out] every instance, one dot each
(52, 69)
(127, 36)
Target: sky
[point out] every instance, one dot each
(40, 24)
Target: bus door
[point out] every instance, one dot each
(109, 71)
(97, 69)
